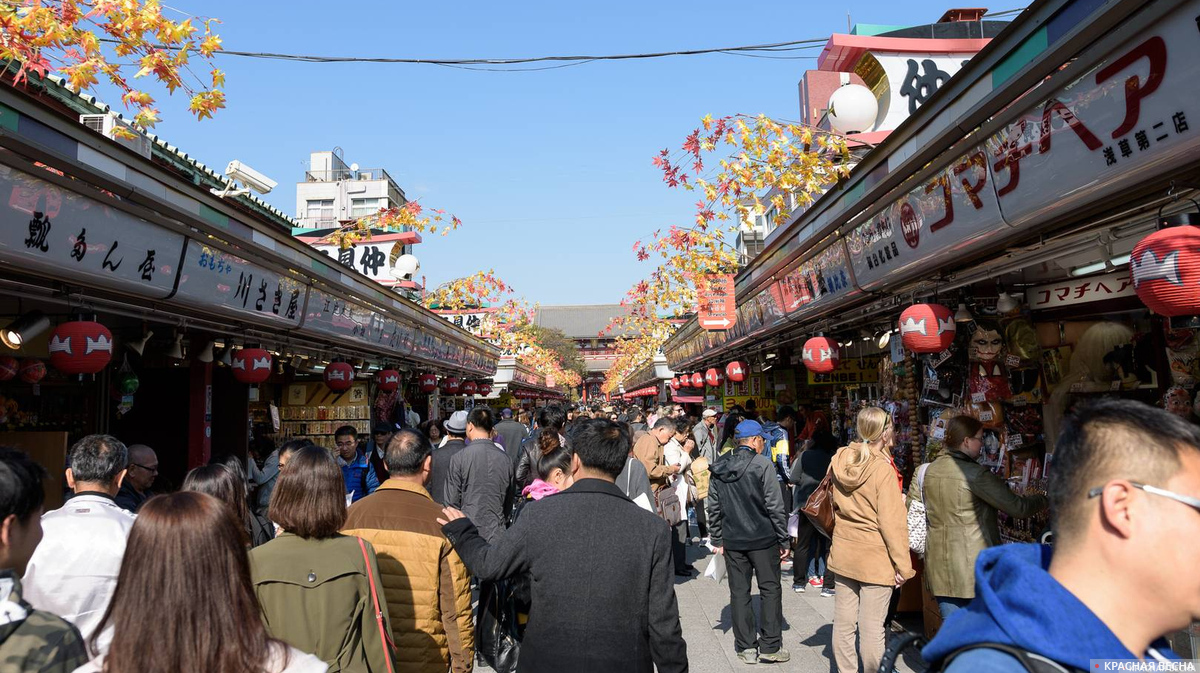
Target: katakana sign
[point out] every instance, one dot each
(1080, 291)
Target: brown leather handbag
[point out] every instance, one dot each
(819, 508)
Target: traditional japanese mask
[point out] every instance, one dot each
(1177, 401)
(986, 342)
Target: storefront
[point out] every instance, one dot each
(1011, 201)
(204, 328)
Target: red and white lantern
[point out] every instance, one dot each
(737, 371)
(9, 368)
(1166, 271)
(251, 365)
(427, 383)
(927, 328)
(714, 377)
(470, 388)
(674, 383)
(80, 347)
(821, 355)
(485, 389)
(451, 385)
(697, 380)
(32, 371)
(339, 376)
(387, 380)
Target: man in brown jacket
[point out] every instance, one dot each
(649, 450)
(427, 586)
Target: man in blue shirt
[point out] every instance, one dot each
(1125, 493)
(356, 468)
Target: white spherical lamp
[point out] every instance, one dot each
(406, 267)
(852, 109)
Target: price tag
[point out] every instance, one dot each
(979, 397)
(986, 416)
(940, 358)
(1012, 361)
(1019, 402)
(1116, 385)
(938, 432)
(931, 384)
(1015, 440)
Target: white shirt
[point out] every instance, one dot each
(73, 572)
(673, 454)
(298, 662)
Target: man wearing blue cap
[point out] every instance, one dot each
(748, 524)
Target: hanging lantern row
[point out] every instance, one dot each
(713, 377)
(251, 365)
(737, 371)
(927, 328)
(81, 347)
(821, 355)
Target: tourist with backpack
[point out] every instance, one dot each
(1125, 492)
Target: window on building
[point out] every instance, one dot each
(770, 219)
(364, 207)
(320, 209)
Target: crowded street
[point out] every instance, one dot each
(623, 337)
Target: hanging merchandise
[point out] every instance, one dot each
(927, 328)
(821, 355)
(1166, 271)
(988, 377)
(251, 365)
(470, 388)
(125, 384)
(32, 371)
(387, 380)
(8, 368)
(339, 376)
(736, 371)
(451, 385)
(80, 347)
(427, 383)
(697, 380)
(714, 377)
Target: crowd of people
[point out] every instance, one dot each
(371, 557)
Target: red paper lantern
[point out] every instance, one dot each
(821, 355)
(736, 371)
(8, 368)
(674, 383)
(32, 371)
(80, 347)
(1166, 271)
(470, 388)
(427, 383)
(339, 376)
(697, 380)
(485, 389)
(714, 377)
(451, 385)
(251, 365)
(927, 328)
(388, 380)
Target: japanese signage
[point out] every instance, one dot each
(210, 276)
(67, 235)
(955, 211)
(718, 302)
(852, 371)
(1080, 291)
(333, 316)
(1127, 119)
(472, 321)
(910, 80)
(818, 281)
(370, 259)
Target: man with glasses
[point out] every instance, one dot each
(142, 471)
(1125, 496)
(357, 471)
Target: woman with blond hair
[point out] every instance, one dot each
(870, 541)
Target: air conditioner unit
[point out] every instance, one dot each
(106, 123)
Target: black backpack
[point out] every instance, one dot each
(1032, 662)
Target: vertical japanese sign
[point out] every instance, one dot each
(718, 301)
(210, 277)
(53, 231)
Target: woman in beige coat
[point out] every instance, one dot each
(870, 541)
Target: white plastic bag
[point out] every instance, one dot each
(716, 567)
(794, 524)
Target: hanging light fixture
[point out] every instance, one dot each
(884, 339)
(1006, 303)
(139, 346)
(206, 353)
(24, 328)
(962, 314)
(176, 350)
(226, 357)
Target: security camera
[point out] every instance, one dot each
(260, 183)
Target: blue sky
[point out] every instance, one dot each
(550, 171)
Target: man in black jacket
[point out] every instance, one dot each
(603, 590)
(748, 524)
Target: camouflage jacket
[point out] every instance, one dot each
(32, 640)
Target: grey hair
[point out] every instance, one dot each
(98, 459)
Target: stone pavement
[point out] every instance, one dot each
(707, 627)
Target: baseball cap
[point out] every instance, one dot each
(457, 423)
(747, 429)
(506, 413)
(708, 413)
(382, 429)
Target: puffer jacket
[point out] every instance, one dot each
(427, 586)
(961, 499)
(870, 532)
(745, 505)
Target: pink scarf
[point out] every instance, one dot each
(539, 489)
